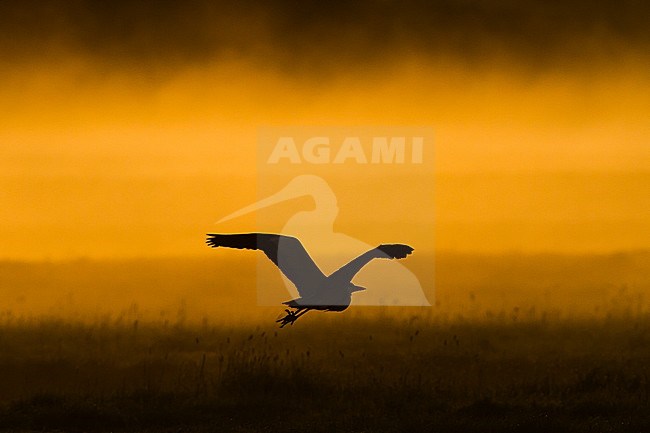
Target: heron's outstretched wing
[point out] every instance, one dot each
(286, 252)
(384, 251)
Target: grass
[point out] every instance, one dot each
(381, 374)
(514, 343)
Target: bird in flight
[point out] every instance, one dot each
(317, 291)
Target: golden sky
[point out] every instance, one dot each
(122, 140)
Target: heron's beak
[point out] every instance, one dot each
(356, 288)
(282, 195)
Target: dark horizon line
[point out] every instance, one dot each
(506, 253)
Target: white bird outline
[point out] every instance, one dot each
(316, 229)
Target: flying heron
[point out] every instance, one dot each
(331, 249)
(317, 291)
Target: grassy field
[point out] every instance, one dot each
(473, 363)
(384, 374)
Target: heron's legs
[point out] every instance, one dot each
(291, 316)
(301, 312)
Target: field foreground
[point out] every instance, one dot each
(336, 373)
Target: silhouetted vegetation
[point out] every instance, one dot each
(384, 374)
(441, 369)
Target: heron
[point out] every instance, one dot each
(316, 290)
(331, 249)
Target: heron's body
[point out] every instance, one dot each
(315, 227)
(317, 291)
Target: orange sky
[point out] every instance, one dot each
(117, 164)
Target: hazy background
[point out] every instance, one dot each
(128, 128)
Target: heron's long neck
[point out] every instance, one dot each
(348, 271)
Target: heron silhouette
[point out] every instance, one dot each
(317, 291)
(391, 283)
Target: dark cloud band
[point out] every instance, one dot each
(299, 35)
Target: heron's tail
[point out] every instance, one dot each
(395, 251)
(294, 303)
